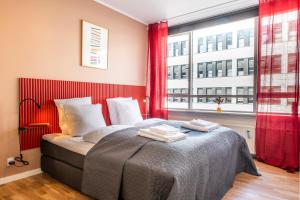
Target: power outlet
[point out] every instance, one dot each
(10, 160)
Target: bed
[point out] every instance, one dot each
(202, 166)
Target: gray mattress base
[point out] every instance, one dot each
(63, 172)
(62, 164)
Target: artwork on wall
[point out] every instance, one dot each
(94, 46)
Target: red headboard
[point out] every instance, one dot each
(45, 91)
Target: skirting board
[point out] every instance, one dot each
(15, 177)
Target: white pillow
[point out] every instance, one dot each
(111, 104)
(60, 108)
(81, 119)
(129, 112)
(96, 135)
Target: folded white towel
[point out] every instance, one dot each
(164, 129)
(200, 128)
(200, 122)
(164, 136)
(159, 137)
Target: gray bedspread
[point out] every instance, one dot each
(203, 166)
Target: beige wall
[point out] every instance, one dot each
(42, 39)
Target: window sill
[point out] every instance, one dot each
(213, 112)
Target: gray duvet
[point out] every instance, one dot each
(203, 166)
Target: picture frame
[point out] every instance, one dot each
(94, 46)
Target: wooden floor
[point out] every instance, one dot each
(274, 184)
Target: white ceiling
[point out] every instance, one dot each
(175, 11)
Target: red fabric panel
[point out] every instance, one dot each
(271, 7)
(157, 69)
(45, 91)
(277, 140)
(278, 129)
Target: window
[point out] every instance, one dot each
(228, 40)
(276, 64)
(240, 91)
(277, 28)
(228, 68)
(292, 30)
(201, 70)
(176, 49)
(222, 61)
(210, 69)
(184, 91)
(170, 99)
(246, 38)
(177, 72)
(228, 91)
(292, 57)
(184, 71)
(200, 91)
(251, 66)
(170, 72)
(170, 50)
(242, 67)
(211, 43)
(202, 45)
(220, 42)
(184, 48)
(221, 66)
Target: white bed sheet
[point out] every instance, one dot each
(75, 144)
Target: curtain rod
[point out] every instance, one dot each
(203, 9)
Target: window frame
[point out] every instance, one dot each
(190, 95)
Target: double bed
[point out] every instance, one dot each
(124, 165)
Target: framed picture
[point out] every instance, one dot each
(94, 46)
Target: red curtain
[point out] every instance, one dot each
(277, 121)
(157, 69)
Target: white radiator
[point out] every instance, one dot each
(248, 132)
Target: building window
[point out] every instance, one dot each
(243, 38)
(240, 91)
(210, 91)
(202, 45)
(220, 42)
(170, 50)
(201, 70)
(228, 68)
(251, 66)
(200, 91)
(211, 43)
(277, 29)
(228, 91)
(184, 91)
(242, 67)
(176, 49)
(292, 58)
(184, 48)
(228, 40)
(170, 99)
(170, 72)
(268, 90)
(177, 91)
(276, 64)
(221, 67)
(177, 71)
(250, 92)
(210, 69)
(235, 69)
(292, 30)
(184, 71)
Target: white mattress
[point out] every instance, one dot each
(75, 144)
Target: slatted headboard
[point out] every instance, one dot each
(45, 91)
